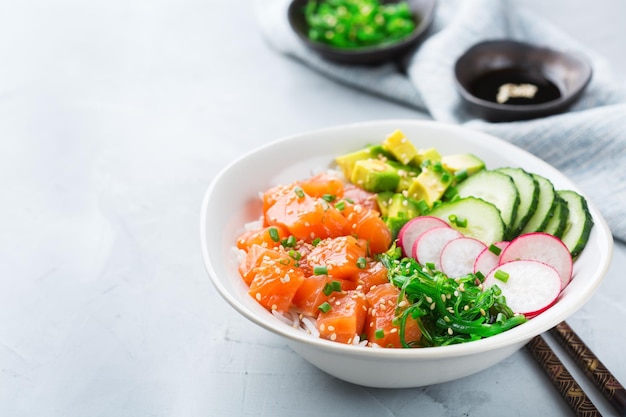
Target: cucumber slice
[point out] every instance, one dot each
(579, 222)
(496, 188)
(556, 225)
(544, 211)
(528, 190)
(483, 218)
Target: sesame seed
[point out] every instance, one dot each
(450, 332)
(258, 296)
(274, 306)
(322, 327)
(433, 305)
(333, 337)
(443, 298)
(482, 312)
(394, 330)
(331, 328)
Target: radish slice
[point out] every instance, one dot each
(544, 248)
(487, 260)
(459, 255)
(531, 286)
(413, 229)
(427, 249)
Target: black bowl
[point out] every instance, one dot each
(511, 68)
(370, 55)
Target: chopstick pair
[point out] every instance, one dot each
(592, 367)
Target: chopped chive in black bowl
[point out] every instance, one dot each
(361, 32)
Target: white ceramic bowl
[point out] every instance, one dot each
(232, 199)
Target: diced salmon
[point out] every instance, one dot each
(306, 217)
(342, 256)
(345, 319)
(311, 293)
(269, 237)
(383, 312)
(274, 282)
(323, 185)
(372, 275)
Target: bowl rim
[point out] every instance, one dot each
(511, 337)
(420, 29)
(525, 108)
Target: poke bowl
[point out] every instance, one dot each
(233, 201)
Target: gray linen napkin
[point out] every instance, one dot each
(587, 143)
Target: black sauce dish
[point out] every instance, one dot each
(422, 10)
(507, 80)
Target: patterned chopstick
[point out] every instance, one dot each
(591, 366)
(562, 380)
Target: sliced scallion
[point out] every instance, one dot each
(494, 249)
(320, 270)
(274, 234)
(501, 275)
(324, 307)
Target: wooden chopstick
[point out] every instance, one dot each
(560, 377)
(592, 367)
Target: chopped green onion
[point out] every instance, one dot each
(299, 192)
(457, 221)
(295, 254)
(501, 275)
(430, 266)
(422, 206)
(289, 242)
(274, 234)
(480, 276)
(379, 334)
(329, 197)
(324, 307)
(461, 174)
(494, 249)
(336, 286)
(320, 270)
(445, 177)
(451, 193)
(361, 263)
(316, 241)
(328, 289)
(341, 205)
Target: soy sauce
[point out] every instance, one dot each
(487, 87)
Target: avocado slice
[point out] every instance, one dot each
(429, 186)
(465, 162)
(374, 175)
(346, 162)
(400, 147)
